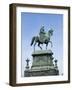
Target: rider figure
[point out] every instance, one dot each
(42, 30)
(42, 34)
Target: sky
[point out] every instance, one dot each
(30, 26)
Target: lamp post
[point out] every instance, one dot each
(55, 63)
(27, 66)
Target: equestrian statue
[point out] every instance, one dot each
(43, 38)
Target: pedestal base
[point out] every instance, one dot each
(50, 72)
(42, 64)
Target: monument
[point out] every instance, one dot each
(43, 63)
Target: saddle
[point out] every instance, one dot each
(42, 38)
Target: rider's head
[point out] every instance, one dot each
(42, 28)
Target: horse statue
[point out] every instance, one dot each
(43, 38)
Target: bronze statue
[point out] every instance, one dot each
(43, 38)
(43, 60)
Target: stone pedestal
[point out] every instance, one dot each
(42, 64)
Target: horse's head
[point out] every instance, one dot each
(51, 32)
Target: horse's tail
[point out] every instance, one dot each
(32, 41)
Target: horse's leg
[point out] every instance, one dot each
(39, 46)
(51, 43)
(34, 46)
(46, 46)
